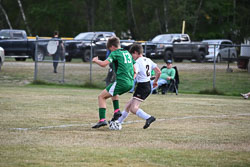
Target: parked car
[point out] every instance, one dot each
(16, 44)
(175, 46)
(220, 49)
(1, 57)
(80, 47)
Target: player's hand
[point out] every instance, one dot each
(95, 59)
(155, 84)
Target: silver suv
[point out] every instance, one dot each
(220, 49)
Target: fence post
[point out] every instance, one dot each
(228, 57)
(91, 56)
(35, 54)
(63, 66)
(214, 76)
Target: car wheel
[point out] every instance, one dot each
(218, 59)
(201, 57)
(86, 56)
(168, 55)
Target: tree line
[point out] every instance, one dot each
(136, 19)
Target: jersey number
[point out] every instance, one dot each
(125, 55)
(147, 72)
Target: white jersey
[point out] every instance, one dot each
(143, 67)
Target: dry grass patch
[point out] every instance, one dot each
(55, 122)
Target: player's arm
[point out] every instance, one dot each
(135, 72)
(100, 62)
(157, 76)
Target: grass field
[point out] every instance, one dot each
(50, 126)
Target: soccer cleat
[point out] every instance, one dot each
(244, 95)
(116, 115)
(148, 122)
(100, 124)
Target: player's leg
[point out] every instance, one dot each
(115, 100)
(141, 93)
(140, 113)
(55, 62)
(117, 112)
(125, 112)
(102, 108)
(118, 88)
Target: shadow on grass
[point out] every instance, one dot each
(212, 92)
(85, 85)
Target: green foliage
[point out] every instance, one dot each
(142, 18)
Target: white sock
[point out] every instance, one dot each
(124, 116)
(140, 113)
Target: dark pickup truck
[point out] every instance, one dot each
(80, 47)
(175, 46)
(16, 44)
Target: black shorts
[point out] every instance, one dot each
(142, 90)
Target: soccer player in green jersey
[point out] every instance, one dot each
(123, 65)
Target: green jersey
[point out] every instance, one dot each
(165, 72)
(122, 64)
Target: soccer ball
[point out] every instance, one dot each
(115, 125)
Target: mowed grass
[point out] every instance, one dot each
(43, 126)
(194, 77)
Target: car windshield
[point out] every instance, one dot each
(163, 38)
(212, 43)
(85, 36)
(5, 34)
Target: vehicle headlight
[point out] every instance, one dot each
(160, 46)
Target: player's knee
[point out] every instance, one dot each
(100, 97)
(133, 109)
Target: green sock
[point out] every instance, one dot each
(116, 104)
(102, 113)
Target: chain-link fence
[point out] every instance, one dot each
(218, 68)
(49, 61)
(51, 67)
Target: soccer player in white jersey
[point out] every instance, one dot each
(143, 67)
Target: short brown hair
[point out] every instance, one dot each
(136, 48)
(113, 41)
(56, 33)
